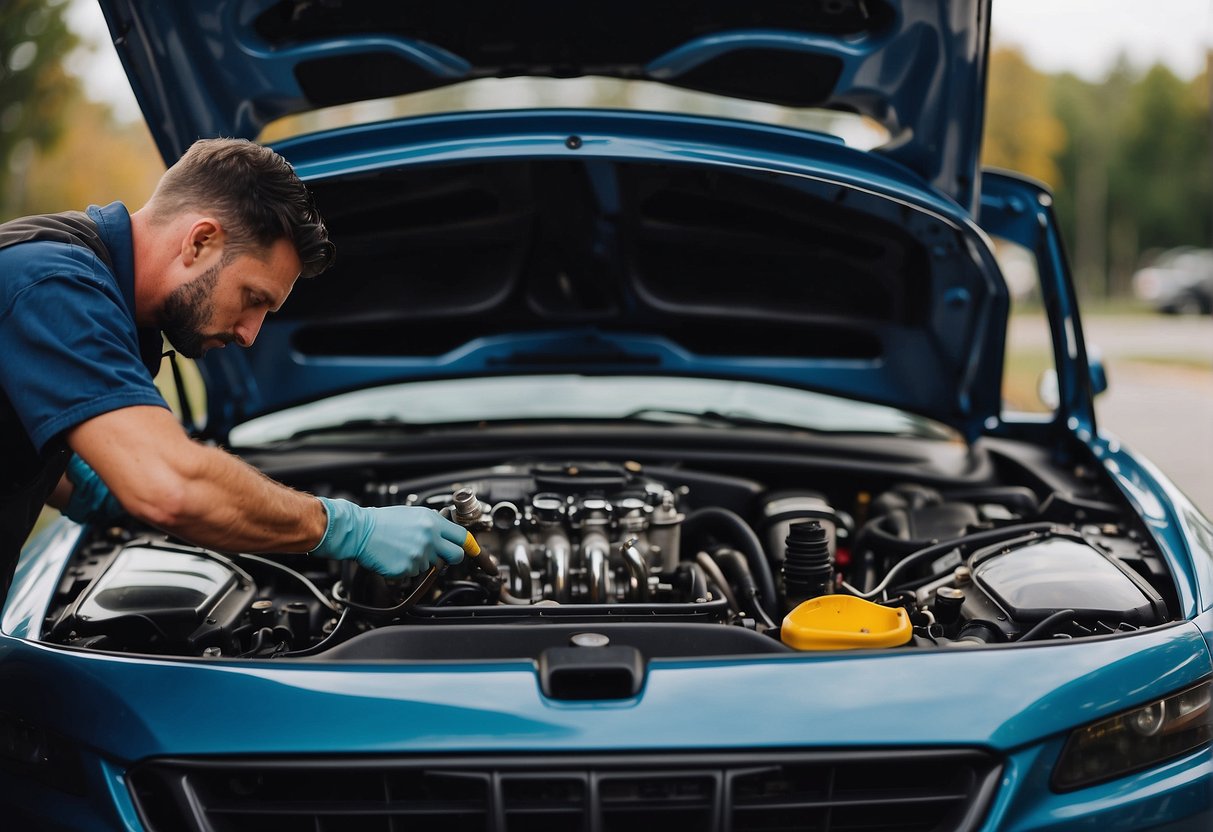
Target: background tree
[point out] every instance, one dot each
(1128, 158)
(1092, 114)
(35, 89)
(96, 159)
(1159, 186)
(1022, 132)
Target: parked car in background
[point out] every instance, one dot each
(1178, 281)
(721, 395)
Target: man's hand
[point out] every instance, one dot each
(91, 500)
(399, 540)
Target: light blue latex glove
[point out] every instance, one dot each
(393, 541)
(91, 500)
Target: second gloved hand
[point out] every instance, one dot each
(393, 541)
(91, 500)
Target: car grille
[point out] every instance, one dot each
(809, 792)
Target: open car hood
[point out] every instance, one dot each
(481, 244)
(609, 241)
(229, 67)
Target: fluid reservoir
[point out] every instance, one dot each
(844, 622)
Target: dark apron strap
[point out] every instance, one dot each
(70, 227)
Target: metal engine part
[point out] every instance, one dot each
(593, 548)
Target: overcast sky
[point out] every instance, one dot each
(1082, 36)
(1085, 36)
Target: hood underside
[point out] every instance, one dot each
(606, 257)
(229, 67)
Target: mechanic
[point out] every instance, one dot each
(84, 298)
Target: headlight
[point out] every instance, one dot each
(1136, 739)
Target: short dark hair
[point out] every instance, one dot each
(254, 192)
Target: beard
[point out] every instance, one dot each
(187, 309)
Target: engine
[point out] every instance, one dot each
(575, 535)
(579, 547)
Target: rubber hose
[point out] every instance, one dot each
(1014, 497)
(736, 568)
(966, 544)
(874, 536)
(1045, 624)
(713, 571)
(747, 542)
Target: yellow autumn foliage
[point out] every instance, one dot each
(94, 161)
(1021, 131)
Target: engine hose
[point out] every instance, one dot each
(506, 597)
(747, 543)
(964, 544)
(717, 577)
(699, 581)
(456, 589)
(874, 535)
(299, 576)
(1045, 625)
(347, 627)
(1014, 497)
(737, 571)
(423, 587)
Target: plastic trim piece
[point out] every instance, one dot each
(945, 790)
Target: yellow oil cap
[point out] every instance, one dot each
(844, 622)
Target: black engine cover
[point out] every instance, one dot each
(1033, 581)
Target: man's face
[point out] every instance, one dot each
(229, 301)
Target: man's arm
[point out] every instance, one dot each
(213, 499)
(199, 493)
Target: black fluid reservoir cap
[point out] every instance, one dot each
(948, 601)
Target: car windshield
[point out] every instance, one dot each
(547, 397)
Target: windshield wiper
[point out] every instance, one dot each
(708, 418)
(391, 424)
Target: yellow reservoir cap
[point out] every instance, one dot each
(844, 622)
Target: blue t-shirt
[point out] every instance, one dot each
(69, 345)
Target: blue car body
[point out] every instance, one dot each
(389, 724)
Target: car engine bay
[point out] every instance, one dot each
(669, 559)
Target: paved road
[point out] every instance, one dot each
(1160, 395)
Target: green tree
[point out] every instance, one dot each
(1093, 115)
(1162, 176)
(1136, 170)
(34, 87)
